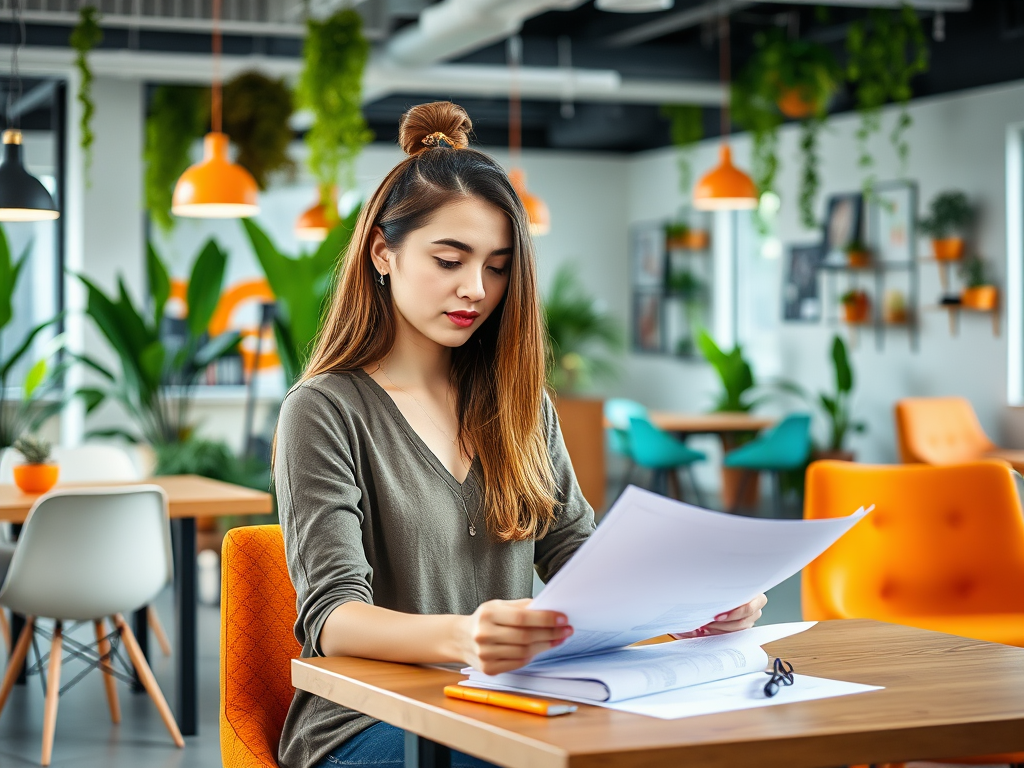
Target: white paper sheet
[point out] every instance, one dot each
(730, 695)
(656, 565)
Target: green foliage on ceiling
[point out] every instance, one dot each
(335, 54)
(84, 37)
(256, 113)
(686, 127)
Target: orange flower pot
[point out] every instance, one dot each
(859, 259)
(858, 311)
(948, 248)
(36, 478)
(697, 239)
(794, 104)
(983, 297)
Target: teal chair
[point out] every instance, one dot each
(617, 412)
(657, 450)
(785, 447)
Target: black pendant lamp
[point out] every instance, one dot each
(22, 196)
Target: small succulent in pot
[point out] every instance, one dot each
(34, 449)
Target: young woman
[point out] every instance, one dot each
(420, 473)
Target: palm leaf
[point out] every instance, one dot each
(159, 283)
(204, 286)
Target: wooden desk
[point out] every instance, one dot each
(709, 423)
(1015, 458)
(188, 497)
(945, 697)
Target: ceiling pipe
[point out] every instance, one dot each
(454, 27)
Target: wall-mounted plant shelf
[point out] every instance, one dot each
(954, 311)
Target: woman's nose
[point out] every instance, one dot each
(472, 287)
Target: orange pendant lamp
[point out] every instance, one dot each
(216, 188)
(725, 187)
(536, 209)
(317, 221)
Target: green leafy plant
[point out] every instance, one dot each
(301, 285)
(42, 378)
(782, 72)
(334, 54)
(686, 128)
(156, 380)
(974, 272)
(581, 336)
(886, 51)
(84, 37)
(256, 113)
(733, 371)
(949, 213)
(685, 284)
(35, 450)
(178, 115)
(213, 459)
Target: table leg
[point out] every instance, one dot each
(186, 683)
(141, 629)
(421, 752)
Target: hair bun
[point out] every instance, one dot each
(438, 116)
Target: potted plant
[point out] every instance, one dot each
(858, 255)
(950, 214)
(979, 293)
(894, 307)
(38, 474)
(856, 307)
(676, 235)
(581, 339)
(793, 79)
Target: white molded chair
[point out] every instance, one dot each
(87, 555)
(91, 463)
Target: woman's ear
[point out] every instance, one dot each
(379, 252)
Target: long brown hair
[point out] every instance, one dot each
(498, 374)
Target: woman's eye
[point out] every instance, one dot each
(445, 264)
(499, 270)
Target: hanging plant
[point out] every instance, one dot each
(331, 85)
(686, 127)
(178, 115)
(887, 51)
(793, 79)
(256, 113)
(84, 37)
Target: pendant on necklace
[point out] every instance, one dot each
(472, 530)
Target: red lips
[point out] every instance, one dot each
(463, 317)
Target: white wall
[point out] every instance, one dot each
(957, 142)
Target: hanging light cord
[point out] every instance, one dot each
(215, 89)
(723, 69)
(515, 135)
(17, 23)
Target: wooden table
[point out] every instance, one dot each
(944, 697)
(709, 423)
(1014, 457)
(188, 497)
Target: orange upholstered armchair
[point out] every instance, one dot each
(257, 645)
(945, 430)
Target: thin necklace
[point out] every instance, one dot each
(472, 521)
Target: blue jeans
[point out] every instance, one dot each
(384, 745)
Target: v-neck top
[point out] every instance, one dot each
(369, 513)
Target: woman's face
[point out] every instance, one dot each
(449, 275)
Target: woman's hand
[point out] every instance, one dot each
(503, 635)
(730, 621)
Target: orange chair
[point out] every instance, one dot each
(257, 645)
(943, 550)
(945, 430)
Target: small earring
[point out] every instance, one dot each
(382, 278)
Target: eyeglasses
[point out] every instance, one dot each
(782, 674)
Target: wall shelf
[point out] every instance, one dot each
(954, 311)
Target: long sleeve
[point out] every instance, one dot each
(574, 516)
(319, 505)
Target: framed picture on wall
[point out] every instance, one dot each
(891, 221)
(648, 256)
(648, 321)
(800, 299)
(843, 225)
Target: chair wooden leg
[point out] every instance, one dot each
(16, 660)
(103, 646)
(153, 619)
(741, 489)
(146, 677)
(52, 692)
(673, 484)
(5, 630)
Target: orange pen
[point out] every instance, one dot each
(508, 701)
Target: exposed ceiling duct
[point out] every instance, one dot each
(451, 28)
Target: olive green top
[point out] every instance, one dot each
(369, 513)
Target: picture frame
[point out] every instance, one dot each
(892, 222)
(648, 256)
(844, 223)
(801, 301)
(648, 321)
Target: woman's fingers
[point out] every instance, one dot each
(747, 609)
(523, 635)
(514, 613)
